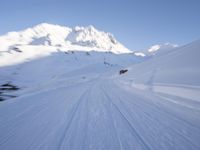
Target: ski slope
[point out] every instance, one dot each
(77, 100)
(98, 114)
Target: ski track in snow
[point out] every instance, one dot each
(102, 115)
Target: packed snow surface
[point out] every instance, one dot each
(57, 98)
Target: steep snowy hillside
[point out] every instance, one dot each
(180, 66)
(175, 73)
(80, 89)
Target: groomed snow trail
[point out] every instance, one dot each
(98, 114)
(62, 89)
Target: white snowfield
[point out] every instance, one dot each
(64, 99)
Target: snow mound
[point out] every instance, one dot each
(161, 48)
(140, 54)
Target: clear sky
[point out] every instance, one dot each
(137, 24)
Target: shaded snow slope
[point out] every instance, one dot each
(57, 66)
(176, 73)
(179, 66)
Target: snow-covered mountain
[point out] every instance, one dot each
(80, 89)
(59, 36)
(45, 39)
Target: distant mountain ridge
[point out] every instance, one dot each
(78, 38)
(83, 38)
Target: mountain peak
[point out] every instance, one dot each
(81, 38)
(90, 28)
(91, 37)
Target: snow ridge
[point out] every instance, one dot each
(59, 36)
(161, 47)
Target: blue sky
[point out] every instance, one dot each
(137, 24)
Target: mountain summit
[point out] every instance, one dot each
(78, 38)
